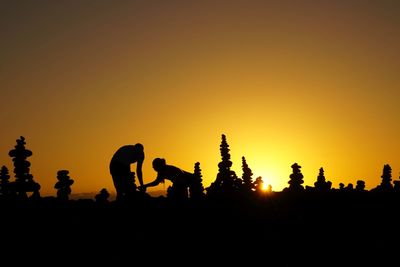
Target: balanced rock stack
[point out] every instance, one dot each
(296, 178)
(23, 179)
(63, 185)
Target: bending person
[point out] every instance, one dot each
(120, 169)
(181, 180)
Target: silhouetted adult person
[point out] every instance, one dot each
(120, 169)
(181, 180)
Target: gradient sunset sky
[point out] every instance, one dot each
(312, 82)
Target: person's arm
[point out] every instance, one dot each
(158, 180)
(154, 183)
(139, 172)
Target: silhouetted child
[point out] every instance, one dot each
(181, 180)
(120, 168)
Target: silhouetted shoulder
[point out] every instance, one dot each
(130, 153)
(125, 149)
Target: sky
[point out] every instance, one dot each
(312, 82)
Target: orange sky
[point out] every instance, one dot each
(312, 82)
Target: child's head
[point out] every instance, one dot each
(158, 164)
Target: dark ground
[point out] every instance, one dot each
(334, 229)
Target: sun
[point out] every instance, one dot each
(271, 176)
(265, 186)
(267, 177)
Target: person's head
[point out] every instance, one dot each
(139, 147)
(159, 164)
(139, 151)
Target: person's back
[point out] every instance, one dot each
(174, 174)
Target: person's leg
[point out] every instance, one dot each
(120, 174)
(117, 185)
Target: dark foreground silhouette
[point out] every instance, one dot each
(231, 222)
(281, 229)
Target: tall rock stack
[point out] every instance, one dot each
(296, 179)
(23, 179)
